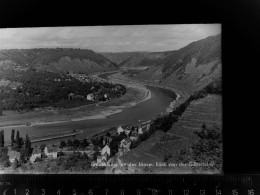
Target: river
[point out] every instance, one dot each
(146, 110)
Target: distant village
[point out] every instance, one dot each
(103, 150)
(97, 95)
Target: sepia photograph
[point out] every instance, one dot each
(122, 99)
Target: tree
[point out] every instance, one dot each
(15, 165)
(134, 144)
(4, 158)
(2, 138)
(69, 143)
(209, 148)
(108, 134)
(42, 147)
(1, 108)
(12, 137)
(100, 143)
(27, 142)
(76, 143)
(62, 144)
(84, 143)
(25, 155)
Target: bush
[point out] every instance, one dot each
(15, 165)
(167, 157)
(209, 148)
(134, 144)
(7, 163)
(4, 155)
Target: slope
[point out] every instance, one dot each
(56, 60)
(190, 68)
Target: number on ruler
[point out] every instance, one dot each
(235, 192)
(186, 192)
(42, 191)
(90, 192)
(27, 191)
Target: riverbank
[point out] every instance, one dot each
(134, 95)
(180, 95)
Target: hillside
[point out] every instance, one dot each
(144, 59)
(190, 68)
(117, 58)
(181, 135)
(59, 60)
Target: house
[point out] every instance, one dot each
(13, 155)
(90, 97)
(105, 150)
(120, 152)
(102, 163)
(70, 96)
(127, 131)
(125, 144)
(35, 154)
(51, 152)
(146, 123)
(99, 159)
(133, 137)
(106, 140)
(140, 130)
(120, 130)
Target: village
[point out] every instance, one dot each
(99, 92)
(101, 151)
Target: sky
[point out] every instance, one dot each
(108, 38)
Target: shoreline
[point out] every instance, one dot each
(110, 110)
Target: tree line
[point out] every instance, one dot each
(42, 89)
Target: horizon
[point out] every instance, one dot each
(108, 39)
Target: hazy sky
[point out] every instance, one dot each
(108, 38)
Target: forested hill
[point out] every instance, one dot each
(56, 60)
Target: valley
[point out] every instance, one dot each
(178, 92)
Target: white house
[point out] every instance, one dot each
(51, 152)
(127, 131)
(13, 154)
(105, 150)
(35, 154)
(140, 130)
(90, 96)
(70, 96)
(133, 138)
(120, 129)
